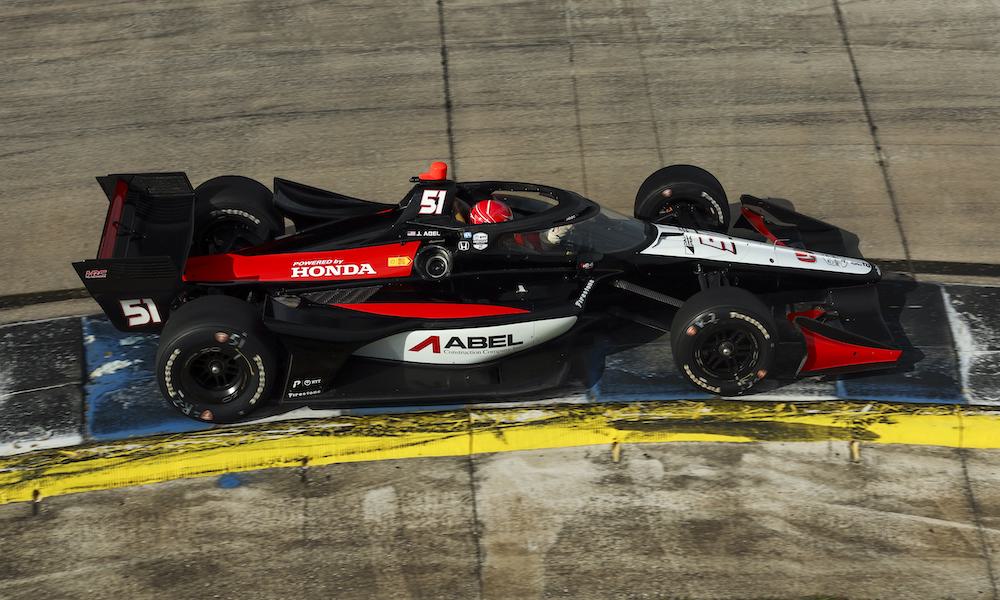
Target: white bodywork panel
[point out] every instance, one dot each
(466, 346)
(690, 243)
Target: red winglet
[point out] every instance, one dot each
(110, 234)
(823, 353)
(815, 314)
(437, 172)
(758, 223)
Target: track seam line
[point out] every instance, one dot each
(645, 82)
(41, 389)
(475, 505)
(448, 106)
(576, 95)
(883, 161)
(970, 497)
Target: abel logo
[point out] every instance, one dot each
(479, 342)
(466, 346)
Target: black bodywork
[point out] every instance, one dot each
(618, 296)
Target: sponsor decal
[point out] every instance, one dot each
(399, 261)
(416, 233)
(432, 202)
(480, 240)
(463, 245)
(583, 295)
(835, 261)
(479, 342)
(304, 383)
(467, 235)
(368, 262)
(718, 244)
(678, 242)
(96, 274)
(331, 267)
(466, 346)
(305, 387)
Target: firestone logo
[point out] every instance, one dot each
(329, 268)
(480, 342)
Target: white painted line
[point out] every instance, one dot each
(22, 446)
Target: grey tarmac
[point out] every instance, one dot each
(881, 117)
(681, 520)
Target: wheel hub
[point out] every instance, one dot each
(728, 353)
(215, 374)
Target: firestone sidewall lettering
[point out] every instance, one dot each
(680, 243)
(466, 346)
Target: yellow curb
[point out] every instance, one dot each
(363, 438)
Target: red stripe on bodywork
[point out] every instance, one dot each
(373, 262)
(110, 234)
(758, 223)
(823, 353)
(432, 310)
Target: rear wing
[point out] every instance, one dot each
(144, 246)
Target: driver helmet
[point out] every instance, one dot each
(490, 211)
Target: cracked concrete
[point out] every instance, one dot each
(588, 95)
(683, 520)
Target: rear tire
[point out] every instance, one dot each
(684, 196)
(723, 340)
(215, 361)
(232, 213)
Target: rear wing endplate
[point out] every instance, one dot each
(143, 249)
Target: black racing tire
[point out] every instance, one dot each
(723, 340)
(232, 213)
(685, 196)
(215, 361)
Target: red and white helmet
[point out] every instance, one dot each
(490, 211)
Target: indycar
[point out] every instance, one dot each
(301, 296)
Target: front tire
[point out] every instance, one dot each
(723, 340)
(684, 196)
(215, 361)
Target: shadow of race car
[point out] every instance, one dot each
(363, 302)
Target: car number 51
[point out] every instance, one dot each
(141, 311)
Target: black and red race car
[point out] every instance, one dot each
(363, 302)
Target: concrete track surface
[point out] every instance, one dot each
(766, 520)
(879, 116)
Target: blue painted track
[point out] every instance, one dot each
(122, 399)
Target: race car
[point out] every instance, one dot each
(302, 296)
